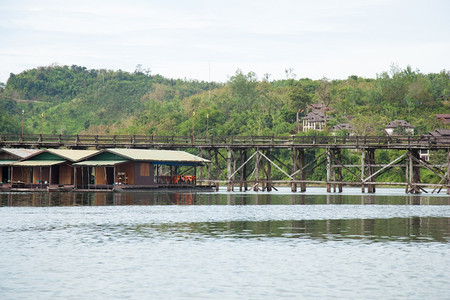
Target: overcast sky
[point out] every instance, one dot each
(210, 40)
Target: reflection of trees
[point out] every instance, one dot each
(414, 229)
(183, 198)
(372, 230)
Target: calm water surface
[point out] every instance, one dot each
(225, 245)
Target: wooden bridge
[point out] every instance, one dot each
(246, 161)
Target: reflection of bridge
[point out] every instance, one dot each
(247, 161)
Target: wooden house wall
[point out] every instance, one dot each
(128, 169)
(104, 175)
(4, 171)
(7, 156)
(22, 174)
(82, 175)
(41, 174)
(144, 173)
(100, 175)
(54, 175)
(65, 174)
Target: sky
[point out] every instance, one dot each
(210, 40)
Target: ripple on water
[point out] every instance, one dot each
(225, 251)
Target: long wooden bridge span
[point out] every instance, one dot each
(249, 162)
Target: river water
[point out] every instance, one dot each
(223, 245)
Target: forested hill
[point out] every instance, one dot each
(76, 100)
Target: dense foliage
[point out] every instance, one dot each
(75, 100)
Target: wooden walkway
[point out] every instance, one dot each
(184, 142)
(247, 162)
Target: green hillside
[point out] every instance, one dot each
(76, 100)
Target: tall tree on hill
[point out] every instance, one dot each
(323, 92)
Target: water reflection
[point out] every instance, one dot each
(371, 230)
(38, 199)
(223, 246)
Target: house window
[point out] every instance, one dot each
(144, 169)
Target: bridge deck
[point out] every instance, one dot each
(180, 142)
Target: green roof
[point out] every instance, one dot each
(72, 155)
(61, 154)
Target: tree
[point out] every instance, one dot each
(323, 92)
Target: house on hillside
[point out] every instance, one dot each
(444, 118)
(437, 137)
(343, 127)
(315, 120)
(399, 127)
(318, 107)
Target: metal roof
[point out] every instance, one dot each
(96, 163)
(158, 155)
(37, 163)
(6, 162)
(21, 153)
(72, 155)
(399, 123)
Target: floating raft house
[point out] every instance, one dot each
(109, 169)
(122, 169)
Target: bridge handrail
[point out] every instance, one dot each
(118, 140)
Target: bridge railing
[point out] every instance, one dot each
(130, 140)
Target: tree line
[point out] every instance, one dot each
(77, 100)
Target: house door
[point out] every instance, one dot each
(4, 174)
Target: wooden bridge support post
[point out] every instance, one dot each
(333, 169)
(448, 171)
(236, 159)
(294, 169)
(371, 169)
(243, 185)
(209, 167)
(241, 161)
(216, 158)
(257, 159)
(301, 166)
(329, 171)
(268, 174)
(414, 173)
(262, 167)
(298, 165)
(199, 177)
(363, 160)
(229, 170)
(338, 171)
